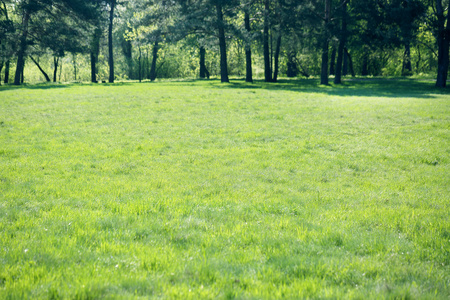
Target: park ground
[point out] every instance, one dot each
(201, 190)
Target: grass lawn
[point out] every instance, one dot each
(197, 190)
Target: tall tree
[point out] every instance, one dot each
(94, 51)
(248, 50)
(342, 41)
(443, 41)
(222, 42)
(112, 5)
(26, 10)
(266, 50)
(7, 31)
(50, 24)
(325, 43)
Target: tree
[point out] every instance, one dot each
(26, 9)
(325, 43)
(222, 42)
(248, 50)
(112, 5)
(202, 15)
(267, 64)
(54, 24)
(342, 41)
(7, 31)
(443, 41)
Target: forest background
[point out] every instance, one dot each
(97, 40)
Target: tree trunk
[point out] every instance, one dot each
(342, 41)
(60, 70)
(222, 44)
(248, 50)
(18, 78)
(277, 55)
(345, 64)
(95, 52)
(333, 62)
(443, 39)
(7, 65)
(202, 62)
(146, 65)
(110, 42)
(406, 67)
(47, 78)
(93, 68)
(266, 50)
(365, 63)
(350, 62)
(140, 65)
(154, 59)
(55, 70)
(324, 68)
(1, 68)
(74, 60)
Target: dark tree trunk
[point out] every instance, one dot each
(202, 62)
(333, 62)
(140, 64)
(266, 50)
(95, 52)
(47, 78)
(350, 62)
(154, 59)
(365, 63)
(443, 39)
(1, 68)
(93, 68)
(110, 42)
(222, 44)
(7, 65)
(248, 50)
(146, 65)
(342, 41)
(345, 64)
(324, 68)
(276, 58)
(18, 78)
(407, 67)
(74, 60)
(55, 70)
(60, 70)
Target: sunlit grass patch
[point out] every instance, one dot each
(208, 190)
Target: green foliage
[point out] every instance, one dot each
(202, 190)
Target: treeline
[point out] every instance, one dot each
(144, 39)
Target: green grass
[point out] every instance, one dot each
(198, 189)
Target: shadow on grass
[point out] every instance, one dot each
(363, 87)
(51, 85)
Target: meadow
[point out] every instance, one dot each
(203, 190)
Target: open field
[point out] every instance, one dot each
(197, 190)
